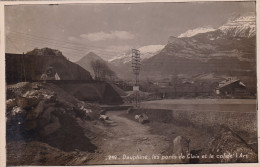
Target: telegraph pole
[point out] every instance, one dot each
(136, 66)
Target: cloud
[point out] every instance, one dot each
(102, 36)
(74, 39)
(119, 48)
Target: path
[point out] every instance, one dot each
(129, 138)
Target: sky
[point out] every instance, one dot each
(109, 30)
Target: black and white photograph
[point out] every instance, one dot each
(131, 83)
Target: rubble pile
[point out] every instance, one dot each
(35, 109)
(231, 148)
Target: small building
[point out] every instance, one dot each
(231, 86)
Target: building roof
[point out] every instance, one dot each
(229, 82)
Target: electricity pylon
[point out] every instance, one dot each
(136, 66)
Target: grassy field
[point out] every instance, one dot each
(239, 115)
(217, 105)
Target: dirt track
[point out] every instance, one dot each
(129, 138)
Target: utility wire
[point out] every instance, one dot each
(78, 51)
(64, 42)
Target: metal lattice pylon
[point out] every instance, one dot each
(136, 66)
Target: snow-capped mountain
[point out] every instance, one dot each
(240, 27)
(228, 49)
(244, 26)
(146, 52)
(196, 31)
(150, 50)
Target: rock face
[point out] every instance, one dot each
(244, 26)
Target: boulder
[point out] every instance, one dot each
(50, 98)
(36, 86)
(45, 117)
(103, 117)
(34, 94)
(143, 118)
(36, 112)
(10, 103)
(27, 102)
(181, 147)
(17, 110)
(21, 102)
(52, 127)
(137, 117)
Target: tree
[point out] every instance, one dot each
(102, 71)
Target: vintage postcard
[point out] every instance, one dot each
(131, 83)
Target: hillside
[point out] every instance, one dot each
(31, 66)
(198, 54)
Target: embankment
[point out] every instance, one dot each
(22, 67)
(94, 91)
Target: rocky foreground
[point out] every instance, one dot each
(42, 125)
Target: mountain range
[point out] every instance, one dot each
(229, 50)
(233, 44)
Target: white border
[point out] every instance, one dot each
(2, 71)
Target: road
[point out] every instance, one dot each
(125, 138)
